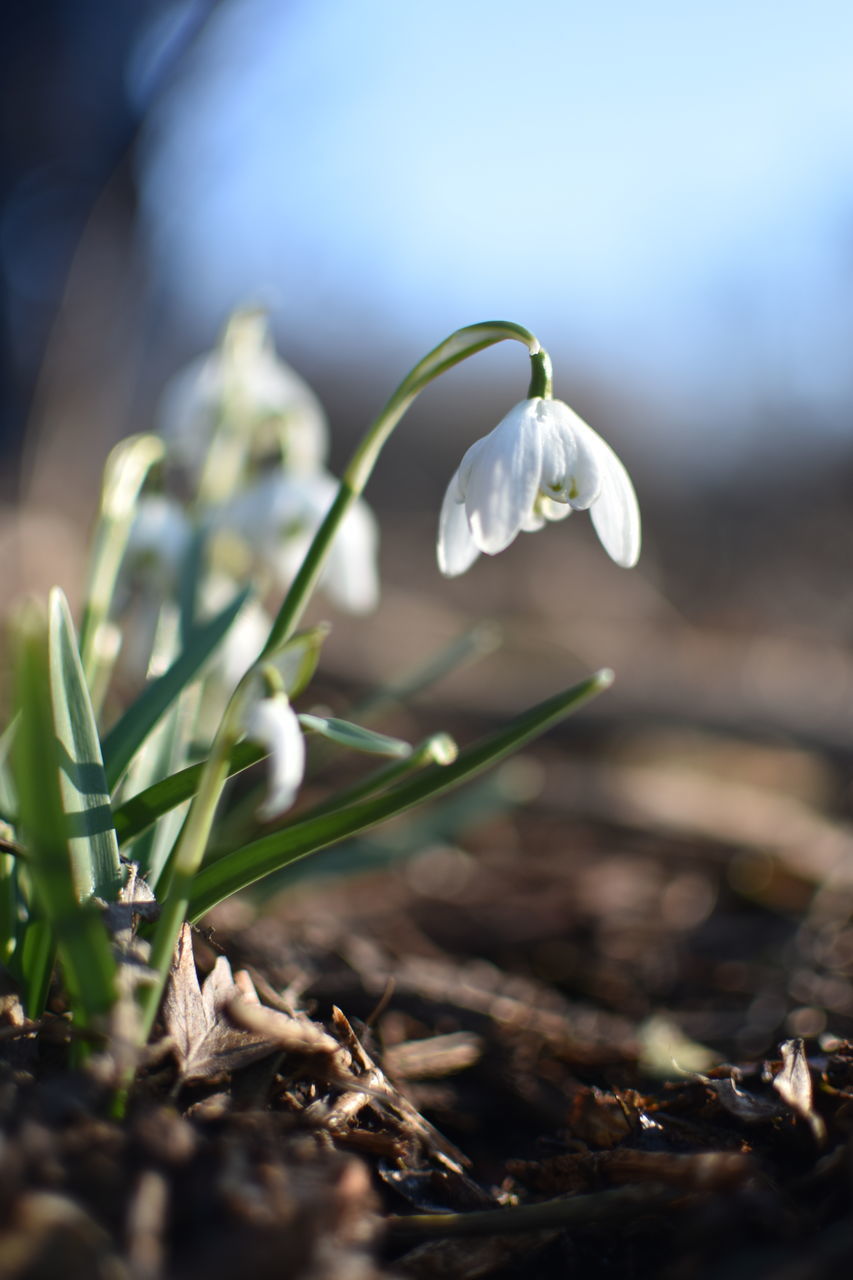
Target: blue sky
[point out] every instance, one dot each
(659, 189)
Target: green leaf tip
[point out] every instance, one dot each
(355, 736)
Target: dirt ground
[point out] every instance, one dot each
(594, 1015)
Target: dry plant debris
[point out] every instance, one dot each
(512, 1076)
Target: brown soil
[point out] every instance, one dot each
(502, 1059)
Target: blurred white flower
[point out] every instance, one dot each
(244, 377)
(278, 516)
(244, 639)
(271, 722)
(540, 463)
(157, 545)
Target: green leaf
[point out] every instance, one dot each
(34, 965)
(124, 475)
(355, 737)
(127, 736)
(64, 818)
(296, 661)
(96, 867)
(8, 795)
(164, 752)
(10, 922)
(242, 867)
(135, 815)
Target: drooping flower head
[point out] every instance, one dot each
(277, 518)
(540, 463)
(243, 377)
(157, 542)
(272, 723)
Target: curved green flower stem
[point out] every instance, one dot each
(541, 376)
(241, 867)
(458, 347)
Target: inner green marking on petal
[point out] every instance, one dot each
(293, 528)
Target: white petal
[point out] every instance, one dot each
(241, 646)
(456, 548)
(503, 479)
(186, 410)
(261, 389)
(279, 515)
(272, 724)
(158, 541)
(615, 514)
(565, 436)
(534, 520)
(559, 451)
(351, 579)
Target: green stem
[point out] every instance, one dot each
(458, 347)
(541, 376)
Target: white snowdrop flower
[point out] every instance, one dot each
(264, 391)
(158, 543)
(244, 639)
(278, 516)
(540, 463)
(272, 723)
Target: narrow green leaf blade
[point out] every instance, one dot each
(8, 795)
(136, 814)
(242, 867)
(127, 735)
(83, 784)
(41, 766)
(355, 737)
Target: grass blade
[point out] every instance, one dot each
(135, 815)
(82, 781)
(242, 867)
(57, 785)
(8, 797)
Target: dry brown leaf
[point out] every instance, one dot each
(794, 1085)
(749, 1107)
(204, 1040)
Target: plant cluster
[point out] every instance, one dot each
(109, 815)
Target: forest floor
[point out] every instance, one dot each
(586, 1037)
(592, 1015)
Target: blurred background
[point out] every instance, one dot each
(663, 193)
